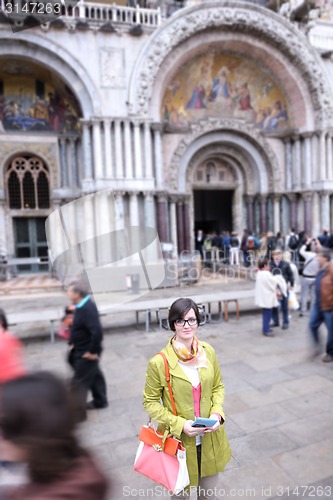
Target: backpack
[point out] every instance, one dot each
(293, 242)
(271, 243)
(250, 243)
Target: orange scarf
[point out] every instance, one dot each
(196, 357)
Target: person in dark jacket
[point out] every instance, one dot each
(86, 347)
(279, 266)
(322, 306)
(37, 427)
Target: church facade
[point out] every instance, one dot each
(217, 117)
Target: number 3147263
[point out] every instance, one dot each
(33, 8)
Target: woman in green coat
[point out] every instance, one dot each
(198, 391)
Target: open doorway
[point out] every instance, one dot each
(213, 210)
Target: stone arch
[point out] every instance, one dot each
(238, 19)
(53, 56)
(260, 165)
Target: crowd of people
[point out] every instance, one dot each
(247, 248)
(307, 262)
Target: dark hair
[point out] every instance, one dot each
(80, 287)
(37, 415)
(181, 307)
(262, 263)
(3, 319)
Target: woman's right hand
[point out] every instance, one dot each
(191, 431)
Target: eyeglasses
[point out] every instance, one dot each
(182, 322)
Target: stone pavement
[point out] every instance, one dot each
(278, 403)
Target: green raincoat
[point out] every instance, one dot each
(215, 449)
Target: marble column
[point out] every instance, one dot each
(296, 167)
(237, 219)
(250, 214)
(149, 210)
(180, 227)
(187, 225)
(3, 233)
(108, 149)
(173, 225)
(329, 171)
(97, 149)
(288, 165)
(73, 162)
(63, 162)
(276, 213)
(325, 210)
(300, 213)
(103, 226)
(134, 209)
(118, 150)
(306, 171)
(322, 148)
(148, 150)
(86, 151)
(137, 150)
(307, 198)
(120, 212)
(316, 229)
(89, 229)
(128, 150)
(158, 158)
(293, 210)
(263, 213)
(119, 249)
(162, 217)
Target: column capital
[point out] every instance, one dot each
(249, 198)
(157, 127)
(292, 197)
(119, 194)
(96, 121)
(136, 122)
(324, 193)
(161, 196)
(263, 198)
(307, 135)
(84, 122)
(148, 194)
(277, 196)
(307, 196)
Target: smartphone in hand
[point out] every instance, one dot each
(204, 422)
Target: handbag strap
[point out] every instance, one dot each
(167, 377)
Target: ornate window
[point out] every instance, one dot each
(27, 181)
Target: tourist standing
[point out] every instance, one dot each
(278, 266)
(266, 293)
(198, 391)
